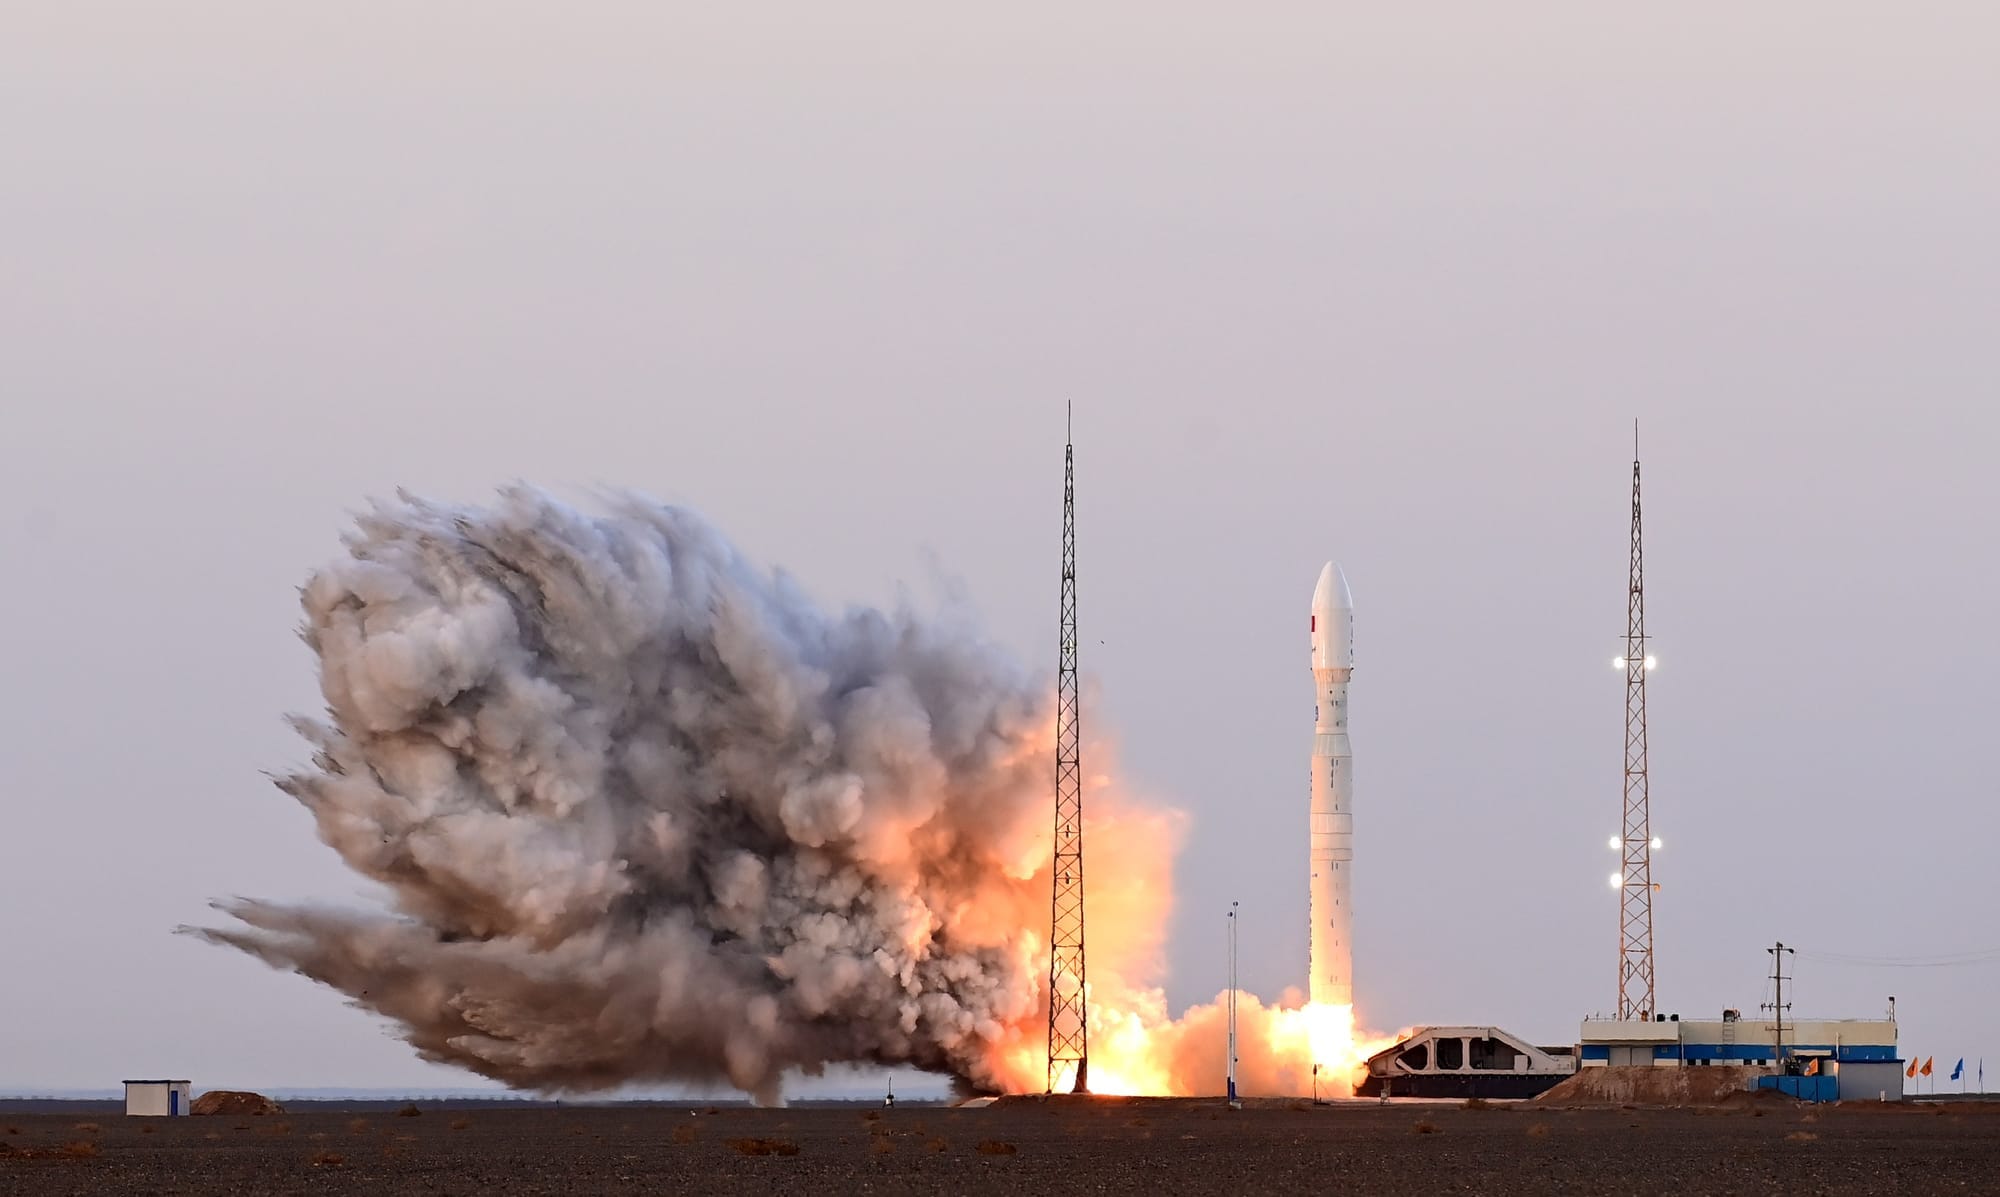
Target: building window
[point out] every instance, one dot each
(1492, 1055)
(1451, 1055)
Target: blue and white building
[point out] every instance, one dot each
(1859, 1053)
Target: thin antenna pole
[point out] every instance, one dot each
(1232, 1004)
(1636, 989)
(1069, 1038)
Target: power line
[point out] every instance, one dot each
(1935, 960)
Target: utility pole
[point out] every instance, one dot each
(1778, 1005)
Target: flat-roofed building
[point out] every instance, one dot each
(1860, 1052)
(156, 1099)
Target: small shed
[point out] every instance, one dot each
(156, 1099)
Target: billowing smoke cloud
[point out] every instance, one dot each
(646, 813)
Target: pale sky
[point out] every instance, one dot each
(1384, 283)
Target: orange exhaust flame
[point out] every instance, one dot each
(1136, 1047)
(1139, 1051)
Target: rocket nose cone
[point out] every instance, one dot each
(1331, 594)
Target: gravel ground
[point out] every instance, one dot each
(1019, 1146)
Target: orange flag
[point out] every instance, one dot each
(1812, 1067)
(1926, 1069)
(1912, 1070)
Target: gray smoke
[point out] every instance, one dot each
(646, 813)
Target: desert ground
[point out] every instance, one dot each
(1017, 1146)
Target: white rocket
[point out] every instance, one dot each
(1332, 809)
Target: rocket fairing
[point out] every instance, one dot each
(1332, 804)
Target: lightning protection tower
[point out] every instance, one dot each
(1069, 1046)
(1635, 877)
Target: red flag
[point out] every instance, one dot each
(1926, 1069)
(1912, 1070)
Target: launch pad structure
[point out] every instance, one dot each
(1069, 1030)
(1331, 819)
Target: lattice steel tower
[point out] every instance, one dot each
(1635, 878)
(1069, 1033)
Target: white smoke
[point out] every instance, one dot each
(647, 813)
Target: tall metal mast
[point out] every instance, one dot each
(1635, 914)
(1069, 1047)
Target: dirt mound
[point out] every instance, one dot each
(1652, 1087)
(234, 1101)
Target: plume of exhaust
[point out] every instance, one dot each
(646, 813)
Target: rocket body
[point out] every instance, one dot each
(1332, 804)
